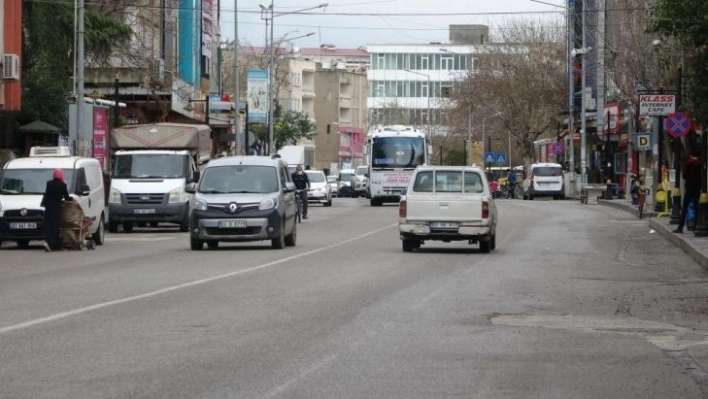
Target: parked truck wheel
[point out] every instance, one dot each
(485, 246)
(184, 226)
(112, 227)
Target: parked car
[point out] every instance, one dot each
(448, 203)
(345, 182)
(244, 198)
(333, 182)
(22, 185)
(544, 180)
(360, 181)
(319, 191)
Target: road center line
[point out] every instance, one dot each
(75, 312)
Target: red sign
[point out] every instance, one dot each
(100, 135)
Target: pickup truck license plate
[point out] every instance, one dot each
(23, 226)
(143, 211)
(232, 224)
(443, 225)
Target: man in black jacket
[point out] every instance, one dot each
(302, 183)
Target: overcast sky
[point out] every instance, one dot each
(353, 31)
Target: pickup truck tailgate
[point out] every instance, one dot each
(450, 207)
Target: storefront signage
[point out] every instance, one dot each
(657, 104)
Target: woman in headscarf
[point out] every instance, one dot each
(53, 195)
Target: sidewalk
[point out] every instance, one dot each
(695, 247)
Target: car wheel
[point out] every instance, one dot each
(184, 225)
(100, 235)
(142, 224)
(24, 244)
(375, 202)
(409, 244)
(279, 242)
(154, 224)
(112, 227)
(291, 239)
(213, 244)
(128, 227)
(196, 245)
(485, 246)
(493, 242)
(328, 203)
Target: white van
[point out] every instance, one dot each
(22, 186)
(544, 180)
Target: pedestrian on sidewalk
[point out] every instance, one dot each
(692, 186)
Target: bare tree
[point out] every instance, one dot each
(521, 75)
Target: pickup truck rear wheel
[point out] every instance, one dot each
(485, 247)
(493, 242)
(409, 244)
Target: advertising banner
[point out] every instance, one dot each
(207, 27)
(258, 95)
(100, 135)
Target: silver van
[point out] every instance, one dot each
(243, 198)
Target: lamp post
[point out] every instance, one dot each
(268, 14)
(427, 94)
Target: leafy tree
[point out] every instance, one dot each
(685, 21)
(292, 127)
(47, 54)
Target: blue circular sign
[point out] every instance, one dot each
(678, 124)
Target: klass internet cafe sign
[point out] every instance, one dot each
(657, 104)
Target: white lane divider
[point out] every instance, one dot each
(102, 305)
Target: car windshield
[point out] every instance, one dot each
(448, 182)
(398, 152)
(547, 171)
(316, 177)
(134, 166)
(346, 176)
(239, 179)
(29, 181)
(361, 170)
(332, 179)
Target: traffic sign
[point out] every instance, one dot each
(643, 141)
(558, 148)
(500, 158)
(678, 124)
(490, 157)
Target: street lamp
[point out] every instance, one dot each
(427, 94)
(265, 11)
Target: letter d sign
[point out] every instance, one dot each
(643, 141)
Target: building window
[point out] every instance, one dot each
(381, 63)
(424, 62)
(473, 64)
(424, 89)
(447, 63)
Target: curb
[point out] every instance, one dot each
(626, 207)
(676, 239)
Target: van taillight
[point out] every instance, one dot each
(402, 209)
(485, 210)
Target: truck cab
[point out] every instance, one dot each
(148, 187)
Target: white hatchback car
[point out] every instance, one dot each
(319, 191)
(544, 180)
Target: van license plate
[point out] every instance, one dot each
(232, 224)
(23, 226)
(143, 211)
(443, 225)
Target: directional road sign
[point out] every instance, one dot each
(490, 157)
(500, 158)
(678, 124)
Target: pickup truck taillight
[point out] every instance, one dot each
(485, 210)
(402, 209)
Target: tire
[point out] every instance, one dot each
(142, 224)
(99, 237)
(279, 242)
(112, 227)
(375, 202)
(196, 245)
(24, 244)
(291, 239)
(128, 227)
(213, 244)
(493, 242)
(184, 226)
(328, 203)
(409, 244)
(154, 224)
(485, 247)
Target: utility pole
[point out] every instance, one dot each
(237, 83)
(80, 90)
(271, 80)
(583, 106)
(470, 158)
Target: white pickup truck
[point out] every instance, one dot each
(448, 203)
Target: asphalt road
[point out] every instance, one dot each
(576, 302)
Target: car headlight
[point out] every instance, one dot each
(268, 203)
(200, 205)
(175, 195)
(114, 196)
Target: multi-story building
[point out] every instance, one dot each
(340, 107)
(11, 53)
(344, 58)
(409, 83)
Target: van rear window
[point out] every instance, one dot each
(547, 171)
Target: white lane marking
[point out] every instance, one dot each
(287, 384)
(75, 312)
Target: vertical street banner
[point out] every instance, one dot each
(100, 135)
(207, 27)
(257, 95)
